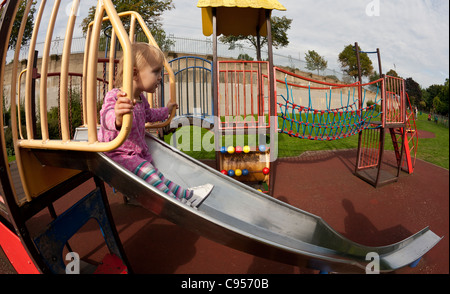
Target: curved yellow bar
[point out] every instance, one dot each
(19, 120)
(89, 97)
(29, 76)
(172, 83)
(89, 86)
(65, 129)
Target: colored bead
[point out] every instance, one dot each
(231, 149)
(246, 149)
(245, 172)
(231, 173)
(238, 149)
(224, 172)
(238, 173)
(223, 150)
(262, 148)
(266, 171)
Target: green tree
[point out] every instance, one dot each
(445, 98)
(373, 77)
(430, 93)
(28, 27)
(245, 56)
(150, 10)
(422, 105)
(437, 104)
(392, 73)
(315, 62)
(349, 63)
(280, 26)
(414, 91)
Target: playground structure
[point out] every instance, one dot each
(234, 214)
(342, 112)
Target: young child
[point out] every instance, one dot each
(134, 155)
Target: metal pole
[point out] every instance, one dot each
(358, 154)
(379, 62)
(33, 95)
(272, 98)
(218, 135)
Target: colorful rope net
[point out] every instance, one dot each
(338, 119)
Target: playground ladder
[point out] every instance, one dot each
(403, 131)
(410, 143)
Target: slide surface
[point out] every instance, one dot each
(240, 217)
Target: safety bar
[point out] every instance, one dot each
(90, 77)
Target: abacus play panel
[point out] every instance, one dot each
(247, 164)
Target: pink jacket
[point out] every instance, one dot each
(134, 150)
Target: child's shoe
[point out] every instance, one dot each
(199, 195)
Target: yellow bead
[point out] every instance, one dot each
(246, 149)
(238, 172)
(230, 149)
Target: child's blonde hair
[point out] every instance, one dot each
(143, 54)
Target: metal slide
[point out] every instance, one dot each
(242, 218)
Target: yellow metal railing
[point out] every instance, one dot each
(89, 96)
(136, 17)
(35, 177)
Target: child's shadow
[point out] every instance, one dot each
(360, 229)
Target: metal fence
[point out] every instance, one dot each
(438, 119)
(202, 47)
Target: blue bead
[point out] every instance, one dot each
(223, 150)
(262, 148)
(231, 173)
(245, 172)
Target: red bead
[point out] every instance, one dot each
(224, 172)
(266, 171)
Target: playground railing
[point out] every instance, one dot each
(394, 100)
(194, 76)
(90, 76)
(136, 18)
(89, 80)
(243, 89)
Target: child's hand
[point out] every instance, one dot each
(123, 106)
(171, 105)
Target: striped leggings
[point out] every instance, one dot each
(151, 175)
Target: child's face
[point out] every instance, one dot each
(148, 78)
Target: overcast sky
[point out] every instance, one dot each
(413, 35)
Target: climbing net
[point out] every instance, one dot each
(341, 117)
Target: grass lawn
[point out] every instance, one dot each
(434, 150)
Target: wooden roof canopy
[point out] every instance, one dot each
(237, 17)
